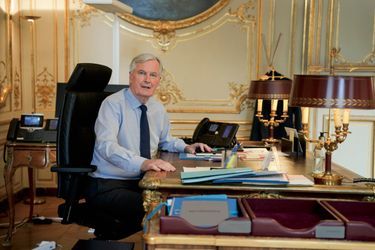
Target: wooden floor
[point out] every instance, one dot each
(29, 235)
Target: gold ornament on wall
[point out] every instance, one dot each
(45, 89)
(83, 13)
(245, 12)
(16, 91)
(238, 96)
(5, 87)
(168, 91)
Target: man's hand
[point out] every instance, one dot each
(157, 165)
(192, 149)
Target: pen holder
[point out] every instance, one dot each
(229, 159)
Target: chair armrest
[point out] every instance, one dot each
(73, 170)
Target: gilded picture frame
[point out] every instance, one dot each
(165, 16)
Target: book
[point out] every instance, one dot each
(202, 176)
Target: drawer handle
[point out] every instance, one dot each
(29, 158)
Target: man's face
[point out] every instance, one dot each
(144, 79)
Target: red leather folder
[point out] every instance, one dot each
(359, 218)
(293, 218)
(240, 225)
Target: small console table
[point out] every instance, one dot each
(31, 155)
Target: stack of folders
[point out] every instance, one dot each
(236, 175)
(210, 175)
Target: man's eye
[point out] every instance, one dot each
(142, 73)
(154, 75)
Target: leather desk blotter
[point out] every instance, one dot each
(293, 218)
(359, 218)
(240, 225)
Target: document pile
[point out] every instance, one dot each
(235, 175)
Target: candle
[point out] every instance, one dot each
(260, 105)
(345, 118)
(337, 117)
(305, 115)
(285, 105)
(274, 105)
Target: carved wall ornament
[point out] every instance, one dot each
(16, 91)
(5, 86)
(45, 89)
(168, 91)
(238, 96)
(245, 12)
(83, 13)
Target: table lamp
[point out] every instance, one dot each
(274, 88)
(338, 93)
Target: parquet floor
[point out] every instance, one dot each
(29, 235)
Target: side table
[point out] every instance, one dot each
(22, 154)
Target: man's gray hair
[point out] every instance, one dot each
(141, 58)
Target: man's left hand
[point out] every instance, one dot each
(198, 146)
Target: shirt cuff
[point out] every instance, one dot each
(136, 163)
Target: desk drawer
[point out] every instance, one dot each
(34, 158)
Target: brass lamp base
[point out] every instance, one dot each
(271, 141)
(327, 179)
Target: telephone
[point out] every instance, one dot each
(30, 129)
(215, 134)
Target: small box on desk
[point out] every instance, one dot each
(206, 217)
(292, 218)
(359, 218)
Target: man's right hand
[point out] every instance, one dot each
(157, 165)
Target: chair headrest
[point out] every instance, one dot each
(89, 77)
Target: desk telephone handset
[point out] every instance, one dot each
(215, 134)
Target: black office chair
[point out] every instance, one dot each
(75, 144)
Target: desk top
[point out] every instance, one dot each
(170, 182)
(28, 145)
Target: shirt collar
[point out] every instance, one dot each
(134, 102)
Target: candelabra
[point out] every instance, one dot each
(273, 88)
(336, 93)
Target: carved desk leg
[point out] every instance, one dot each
(8, 177)
(151, 198)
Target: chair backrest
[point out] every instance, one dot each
(76, 136)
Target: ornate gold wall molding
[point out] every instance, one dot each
(169, 93)
(16, 91)
(45, 89)
(325, 32)
(244, 12)
(83, 13)
(5, 85)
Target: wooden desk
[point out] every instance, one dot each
(33, 156)
(159, 185)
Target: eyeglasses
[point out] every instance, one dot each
(152, 75)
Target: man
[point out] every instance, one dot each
(118, 148)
